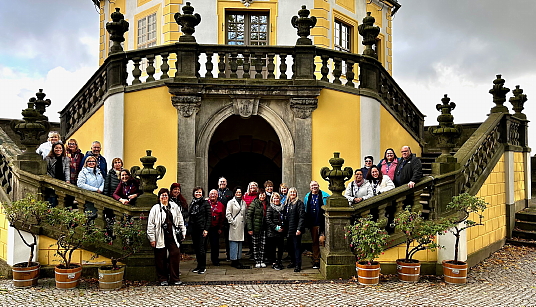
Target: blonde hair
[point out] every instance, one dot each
(288, 195)
(274, 194)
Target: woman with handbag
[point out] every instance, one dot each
(165, 230)
(236, 216)
(199, 223)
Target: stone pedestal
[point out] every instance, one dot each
(32, 163)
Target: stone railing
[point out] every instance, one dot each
(250, 65)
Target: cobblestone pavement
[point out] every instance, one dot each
(508, 278)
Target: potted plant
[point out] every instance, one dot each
(129, 234)
(455, 271)
(75, 230)
(25, 215)
(423, 232)
(367, 241)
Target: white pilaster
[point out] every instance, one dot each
(528, 177)
(114, 124)
(18, 251)
(370, 128)
(509, 174)
(448, 240)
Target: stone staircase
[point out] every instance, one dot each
(524, 232)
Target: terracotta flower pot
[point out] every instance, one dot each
(408, 271)
(25, 276)
(110, 279)
(368, 274)
(455, 273)
(68, 278)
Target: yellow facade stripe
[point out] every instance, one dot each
(321, 4)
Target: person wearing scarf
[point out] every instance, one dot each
(177, 197)
(358, 190)
(164, 229)
(275, 216)
(200, 219)
(58, 168)
(236, 216)
(113, 178)
(256, 222)
(379, 183)
(128, 189)
(216, 226)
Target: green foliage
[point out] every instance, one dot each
(423, 232)
(129, 233)
(26, 215)
(465, 204)
(75, 229)
(367, 239)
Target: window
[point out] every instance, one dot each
(147, 31)
(244, 28)
(343, 34)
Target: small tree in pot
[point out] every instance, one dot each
(75, 230)
(130, 234)
(463, 205)
(423, 232)
(26, 215)
(367, 241)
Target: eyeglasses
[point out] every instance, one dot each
(91, 161)
(368, 161)
(71, 144)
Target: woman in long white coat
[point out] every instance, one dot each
(236, 216)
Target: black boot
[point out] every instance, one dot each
(234, 263)
(241, 266)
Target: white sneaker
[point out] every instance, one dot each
(263, 265)
(258, 265)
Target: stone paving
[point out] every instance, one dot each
(499, 281)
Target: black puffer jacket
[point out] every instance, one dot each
(111, 182)
(274, 219)
(295, 217)
(199, 214)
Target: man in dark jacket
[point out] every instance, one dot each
(314, 218)
(224, 196)
(409, 169)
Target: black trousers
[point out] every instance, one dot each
(214, 238)
(200, 244)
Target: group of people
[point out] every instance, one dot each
(88, 171)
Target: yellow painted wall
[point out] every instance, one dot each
(347, 4)
(153, 125)
(335, 129)
(4, 224)
(47, 249)
(319, 33)
(519, 177)
(494, 193)
(91, 130)
(393, 135)
(399, 252)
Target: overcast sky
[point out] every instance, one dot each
(453, 47)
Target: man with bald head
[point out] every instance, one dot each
(409, 169)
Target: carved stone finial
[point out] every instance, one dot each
(336, 177)
(247, 3)
(148, 177)
(41, 104)
(518, 102)
(447, 132)
(117, 28)
(369, 32)
(304, 24)
(188, 21)
(499, 95)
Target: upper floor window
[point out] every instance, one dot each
(343, 34)
(247, 28)
(147, 31)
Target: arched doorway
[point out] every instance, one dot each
(244, 150)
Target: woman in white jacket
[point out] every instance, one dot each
(90, 177)
(236, 216)
(359, 189)
(165, 230)
(380, 183)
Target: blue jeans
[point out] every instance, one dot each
(235, 248)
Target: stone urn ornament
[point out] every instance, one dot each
(148, 175)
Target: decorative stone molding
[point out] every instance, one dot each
(245, 106)
(186, 105)
(303, 107)
(247, 3)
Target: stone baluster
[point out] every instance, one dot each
(150, 68)
(499, 95)
(365, 213)
(283, 66)
(164, 67)
(61, 198)
(325, 68)
(271, 66)
(209, 65)
(337, 71)
(246, 66)
(221, 64)
(136, 72)
(518, 102)
(233, 64)
(417, 205)
(350, 73)
(382, 218)
(259, 64)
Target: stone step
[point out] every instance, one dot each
(525, 225)
(527, 214)
(521, 242)
(524, 234)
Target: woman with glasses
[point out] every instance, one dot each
(199, 224)
(113, 177)
(379, 182)
(165, 230)
(359, 189)
(75, 156)
(295, 220)
(275, 217)
(90, 177)
(389, 163)
(369, 161)
(127, 190)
